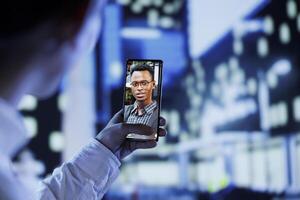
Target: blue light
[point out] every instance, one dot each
(282, 67)
(209, 21)
(111, 58)
(111, 47)
(169, 48)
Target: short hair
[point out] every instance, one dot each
(21, 16)
(142, 67)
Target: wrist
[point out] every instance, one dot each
(103, 143)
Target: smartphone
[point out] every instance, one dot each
(142, 95)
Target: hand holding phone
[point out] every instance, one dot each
(113, 136)
(142, 95)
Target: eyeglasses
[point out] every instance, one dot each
(143, 84)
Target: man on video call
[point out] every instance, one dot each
(40, 41)
(145, 109)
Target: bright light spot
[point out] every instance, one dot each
(194, 123)
(273, 116)
(198, 68)
(196, 101)
(252, 86)
(279, 114)
(62, 102)
(178, 5)
(183, 136)
(238, 32)
(140, 33)
(269, 25)
(296, 106)
(233, 63)
(56, 141)
(174, 121)
(262, 47)
(272, 79)
(31, 126)
(252, 25)
(281, 67)
(124, 2)
(298, 22)
(238, 77)
(190, 81)
(28, 102)
(284, 33)
(190, 92)
(145, 2)
(116, 70)
(28, 165)
(137, 7)
(155, 170)
(153, 16)
(166, 22)
(201, 86)
(209, 21)
(291, 9)
(157, 3)
(238, 47)
(216, 91)
(245, 27)
(169, 8)
(282, 113)
(221, 72)
(196, 64)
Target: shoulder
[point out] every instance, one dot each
(128, 108)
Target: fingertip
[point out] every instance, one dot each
(117, 118)
(152, 144)
(139, 129)
(146, 145)
(162, 121)
(162, 132)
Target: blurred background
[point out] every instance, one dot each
(231, 97)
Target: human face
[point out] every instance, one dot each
(142, 94)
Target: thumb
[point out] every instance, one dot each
(117, 118)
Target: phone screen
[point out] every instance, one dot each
(142, 95)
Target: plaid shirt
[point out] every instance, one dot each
(144, 118)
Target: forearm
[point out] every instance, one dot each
(87, 176)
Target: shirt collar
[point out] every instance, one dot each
(147, 109)
(13, 133)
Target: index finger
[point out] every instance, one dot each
(162, 121)
(140, 129)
